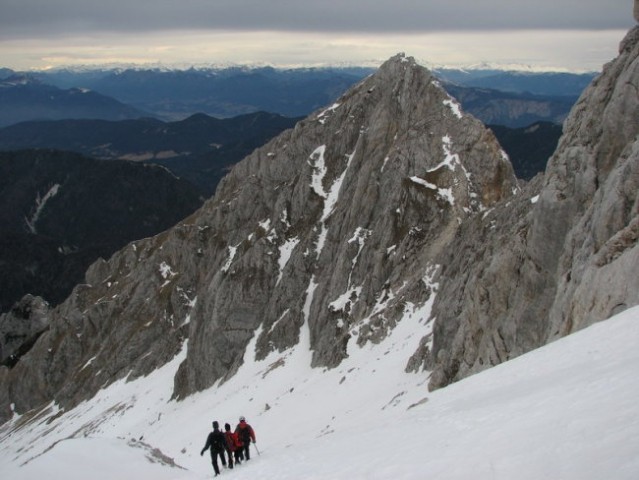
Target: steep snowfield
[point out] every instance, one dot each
(566, 411)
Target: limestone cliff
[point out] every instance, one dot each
(333, 227)
(568, 257)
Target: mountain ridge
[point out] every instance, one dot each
(199, 148)
(268, 220)
(367, 213)
(25, 98)
(227, 92)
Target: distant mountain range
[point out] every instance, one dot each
(199, 148)
(552, 84)
(176, 94)
(515, 110)
(24, 98)
(513, 99)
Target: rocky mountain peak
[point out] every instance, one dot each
(327, 237)
(397, 64)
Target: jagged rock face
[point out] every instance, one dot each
(571, 259)
(326, 235)
(21, 326)
(362, 195)
(597, 270)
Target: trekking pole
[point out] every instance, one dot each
(256, 449)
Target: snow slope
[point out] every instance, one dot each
(566, 411)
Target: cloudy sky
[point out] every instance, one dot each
(556, 34)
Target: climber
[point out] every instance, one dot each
(245, 433)
(233, 445)
(216, 441)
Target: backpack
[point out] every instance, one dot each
(245, 435)
(231, 441)
(219, 441)
(236, 441)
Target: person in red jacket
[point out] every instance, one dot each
(246, 434)
(233, 444)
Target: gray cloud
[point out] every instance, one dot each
(51, 18)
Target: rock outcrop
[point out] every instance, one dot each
(327, 235)
(571, 258)
(21, 327)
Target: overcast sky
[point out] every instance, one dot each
(571, 34)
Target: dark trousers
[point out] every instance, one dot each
(245, 451)
(238, 456)
(230, 454)
(214, 455)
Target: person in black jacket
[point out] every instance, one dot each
(216, 441)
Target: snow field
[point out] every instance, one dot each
(565, 411)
